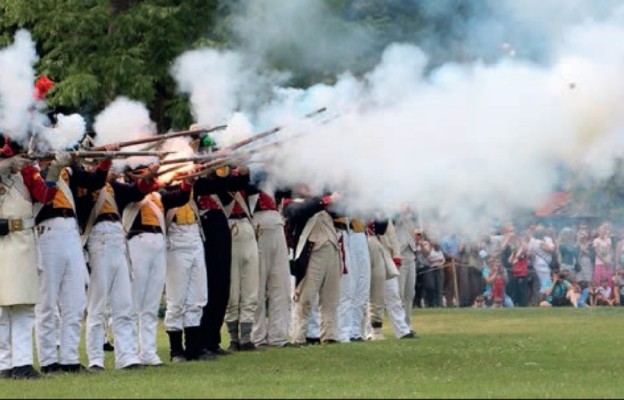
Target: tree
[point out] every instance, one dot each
(97, 50)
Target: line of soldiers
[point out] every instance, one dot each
(76, 238)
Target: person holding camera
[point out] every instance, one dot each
(561, 292)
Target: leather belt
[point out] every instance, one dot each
(111, 217)
(18, 224)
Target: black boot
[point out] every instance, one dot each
(25, 372)
(193, 343)
(176, 351)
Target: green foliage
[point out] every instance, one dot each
(97, 50)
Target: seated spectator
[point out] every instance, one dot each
(561, 292)
(604, 293)
(581, 293)
(479, 302)
(593, 293)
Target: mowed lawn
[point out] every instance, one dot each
(461, 353)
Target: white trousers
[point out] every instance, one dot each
(16, 328)
(407, 282)
(394, 307)
(245, 274)
(62, 292)
(109, 284)
(345, 304)
(273, 311)
(185, 283)
(149, 265)
(360, 271)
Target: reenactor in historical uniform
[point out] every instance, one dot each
(111, 275)
(144, 222)
(20, 187)
(210, 192)
(316, 262)
(186, 285)
(245, 274)
(272, 318)
(62, 294)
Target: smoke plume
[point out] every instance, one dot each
(467, 137)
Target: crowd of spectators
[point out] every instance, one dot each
(576, 266)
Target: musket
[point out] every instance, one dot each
(200, 158)
(98, 154)
(161, 137)
(230, 157)
(221, 156)
(264, 134)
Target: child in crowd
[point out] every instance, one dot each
(604, 293)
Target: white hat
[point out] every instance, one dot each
(483, 254)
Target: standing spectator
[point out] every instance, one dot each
(421, 266)
(603, 246)
(519, 261)
(541, 249)
(450, 248)
(485, 273)
(619, 251)
(568, 253)
(585, 268)
(434, 276)
(497, 279)
(463, 271)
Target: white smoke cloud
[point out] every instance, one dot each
(303, 33)
(468, 141)
(65, 134)
(16, 86)
(125, 120)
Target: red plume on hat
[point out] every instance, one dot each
(6, 150)
(43, 86)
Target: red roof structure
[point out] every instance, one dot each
(555, 204)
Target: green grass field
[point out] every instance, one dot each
(467, 353)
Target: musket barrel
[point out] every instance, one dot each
(264, 134)
(117, 154)
(161, 137)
